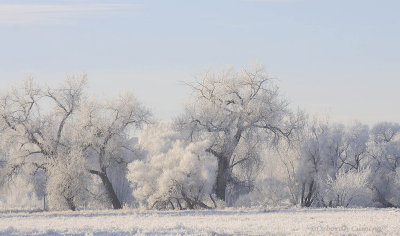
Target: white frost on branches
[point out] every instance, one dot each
(174, 174)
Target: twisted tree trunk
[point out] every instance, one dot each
(109, 188)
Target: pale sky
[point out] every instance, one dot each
(338, 58)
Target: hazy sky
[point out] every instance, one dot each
(339, 58)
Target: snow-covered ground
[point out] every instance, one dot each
(210, 222)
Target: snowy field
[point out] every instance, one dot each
(212, 222)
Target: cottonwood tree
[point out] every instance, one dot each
(329, 151)
(231, 106)
(107, 131)
(34, 121)
(384, 153)
(62, 136)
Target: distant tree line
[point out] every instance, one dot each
(237, 143)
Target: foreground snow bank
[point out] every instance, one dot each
(237, 221)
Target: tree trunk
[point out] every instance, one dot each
(306, 201)
(303, 189)
(109, 188)
(382, 200)
(221, 178)
(70, 204)
(224, 171)
(309, 198)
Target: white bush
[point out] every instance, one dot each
(181, 176)
(347, 189)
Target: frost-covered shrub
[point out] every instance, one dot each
(158, 138)
(183, 177)
(177, 175)
(347, 189)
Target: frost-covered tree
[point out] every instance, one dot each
(286, 159)
(107, 140)
(61, 137)
(384, 153)
(34, 123)
(174, 174)
(327, 151)
(230, 108)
